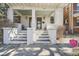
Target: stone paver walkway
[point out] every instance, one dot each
(36, 50)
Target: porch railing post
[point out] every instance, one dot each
(6, 38)
(52, 34)
(29, 36)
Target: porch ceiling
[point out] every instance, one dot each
(43, 13)
(41, 8)
(36, 5)
(25, 12)
(38, 12)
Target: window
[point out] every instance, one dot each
(51, 19)
(77, 22)
(77, 6)
(17, 19)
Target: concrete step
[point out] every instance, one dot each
(18, 42)
(43, 36)
(23, 31)
(42, 42)
(21, 36)
(19, 39)
(45, 32)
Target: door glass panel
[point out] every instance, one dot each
(39, 23)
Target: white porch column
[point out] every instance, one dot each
(59, 16)
(31, 31)
(33, 19)
(33, 25)
(10, 14)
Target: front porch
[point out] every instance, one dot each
(31, 23)
(33, 31)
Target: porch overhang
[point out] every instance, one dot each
(43, 9)
(29, 12)
(39, 6)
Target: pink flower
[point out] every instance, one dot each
(73, 43)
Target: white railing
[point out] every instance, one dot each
(12, 33)
(8, 34)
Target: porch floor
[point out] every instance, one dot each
(36, 49)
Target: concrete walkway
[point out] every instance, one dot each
(37, 49)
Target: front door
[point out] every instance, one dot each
(39, 23)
